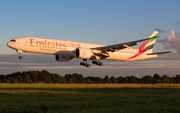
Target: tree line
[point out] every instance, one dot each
(46, 77)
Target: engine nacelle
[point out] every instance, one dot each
(61, 58)
(83, 53)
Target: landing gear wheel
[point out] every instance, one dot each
(94, 62)
(100, 64)
(88, 65)
(82, 63)
(85, 64)
(20, 57)
(97, 63)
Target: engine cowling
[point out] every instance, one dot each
(62, 58)
(83, 53)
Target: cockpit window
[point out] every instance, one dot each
(13, 41)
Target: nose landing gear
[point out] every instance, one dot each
(20, 54)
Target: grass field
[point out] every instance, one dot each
(88, 98)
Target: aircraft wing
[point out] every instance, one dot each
(117, 47)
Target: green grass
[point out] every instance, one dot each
(88, 98)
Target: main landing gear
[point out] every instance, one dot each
(20, 54)
(84, 63)
(97, 63)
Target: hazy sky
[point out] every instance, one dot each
(93, 21)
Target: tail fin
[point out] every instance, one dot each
(148, 45)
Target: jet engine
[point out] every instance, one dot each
(61, 58)
(83, 53)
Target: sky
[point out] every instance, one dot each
(93, 21)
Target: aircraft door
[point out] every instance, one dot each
(25, 42)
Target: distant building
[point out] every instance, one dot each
(137, 74)
(44, 82)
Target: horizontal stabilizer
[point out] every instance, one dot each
(160, 53)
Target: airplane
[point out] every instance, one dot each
(67, 50)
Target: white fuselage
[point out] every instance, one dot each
(67, 48)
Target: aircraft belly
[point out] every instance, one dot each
(118, 56)
(65, 53)
(125, 56)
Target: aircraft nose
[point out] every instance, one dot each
(8, 44)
